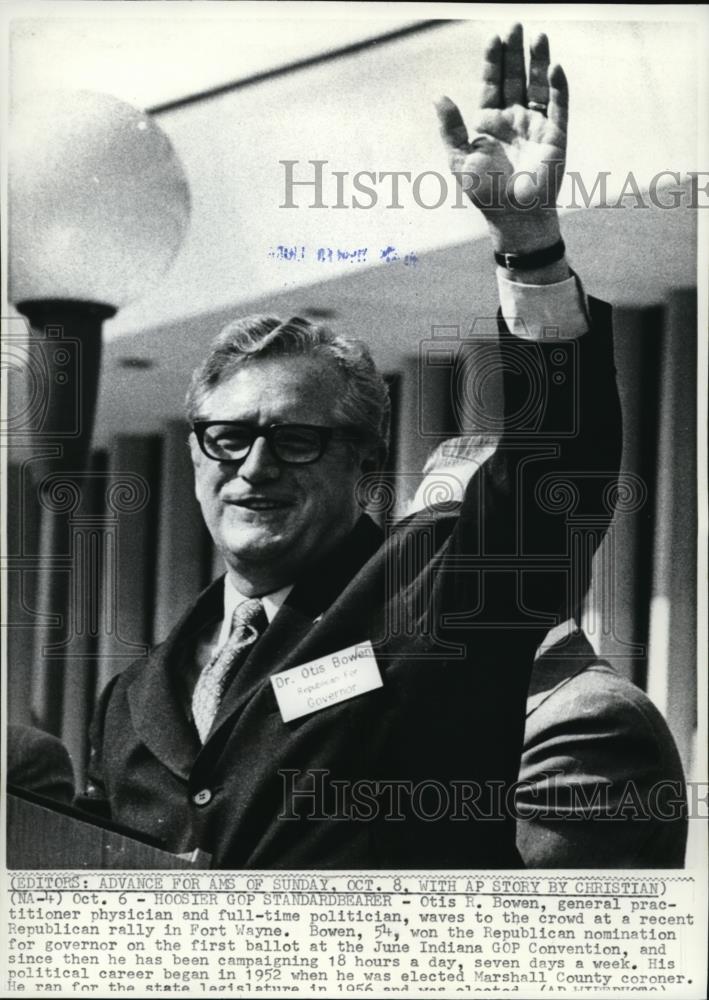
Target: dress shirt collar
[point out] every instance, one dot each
(232, 597)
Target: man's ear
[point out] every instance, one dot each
(197, 458)
(195, 450)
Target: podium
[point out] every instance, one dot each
(43, 834)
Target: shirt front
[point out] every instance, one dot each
(233, 598)
(211, 640)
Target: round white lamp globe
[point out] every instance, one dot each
(98, 201)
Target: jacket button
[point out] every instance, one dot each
(202, 798)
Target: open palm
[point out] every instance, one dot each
(512, 157)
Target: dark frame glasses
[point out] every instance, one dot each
(292, 444)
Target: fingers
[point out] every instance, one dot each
(538, 89)
(504, 83)
(491, 96)
(450, 120)
(558, 111)
(514, 84)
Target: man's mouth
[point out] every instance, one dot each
(259, 503)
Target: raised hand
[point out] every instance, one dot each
(511, 159)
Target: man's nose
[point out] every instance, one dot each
(260, 463)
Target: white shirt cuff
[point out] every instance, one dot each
(538, 312)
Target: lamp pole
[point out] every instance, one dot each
(77, 378)
(98, 208)
(65, 337)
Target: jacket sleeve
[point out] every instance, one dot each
(484, 587)
(94, 798)
(536, 510)
(601, 783)
(39, 762)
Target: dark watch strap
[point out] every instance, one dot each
(531, 261)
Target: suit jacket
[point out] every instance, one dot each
(40, 762)
(455, 603)
(600, 777)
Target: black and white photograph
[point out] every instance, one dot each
(354, 498)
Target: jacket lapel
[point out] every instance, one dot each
(158, 715)
(304, 625)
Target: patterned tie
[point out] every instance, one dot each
(211, 682)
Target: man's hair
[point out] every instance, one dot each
(364, 403)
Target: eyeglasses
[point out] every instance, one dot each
(294, 444)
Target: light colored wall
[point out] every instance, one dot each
(633, 108)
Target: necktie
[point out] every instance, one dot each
(211, 682)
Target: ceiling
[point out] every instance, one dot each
(152, 54)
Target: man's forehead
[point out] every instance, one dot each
(285, 380)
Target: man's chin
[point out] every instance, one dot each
(258, 547)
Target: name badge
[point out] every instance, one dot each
(326, 681)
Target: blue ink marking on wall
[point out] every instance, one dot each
(360, 256)
(390, 254)
(287, 253)
(326, 255)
